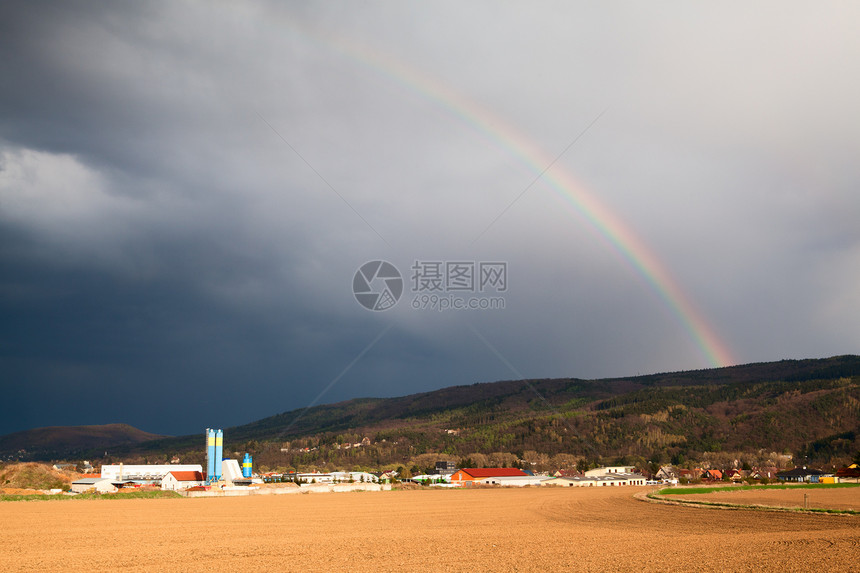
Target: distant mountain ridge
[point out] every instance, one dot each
(60, 442)
(809, 407)
(363, 411)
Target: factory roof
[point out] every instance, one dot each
(607, 477)
(90, 480)
(187, 476)
(493, 472)
(518, 478)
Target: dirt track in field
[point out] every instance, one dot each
(847, 498)
(530, 529)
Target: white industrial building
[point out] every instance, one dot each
(430, 478)
(338, 477)
(513, 481)
(610, 480)
(123, 472)
(357, 477)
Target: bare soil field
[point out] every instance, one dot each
(847, 498)
(530, 529)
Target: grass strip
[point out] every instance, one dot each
(99, 496)
(695, 490)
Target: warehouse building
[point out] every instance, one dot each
(610, 480)
(513, 481)
(99, 485)
(145, 473)
(468, 476)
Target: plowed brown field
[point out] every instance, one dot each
(529, 529)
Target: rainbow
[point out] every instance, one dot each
(608, 225)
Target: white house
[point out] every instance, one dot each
(176, 480)
(667, 473)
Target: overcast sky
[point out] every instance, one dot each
(188, 189)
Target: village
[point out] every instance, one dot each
(225, 476)
(192, 480)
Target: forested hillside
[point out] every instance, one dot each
(806, 409)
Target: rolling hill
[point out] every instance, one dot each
(807, 408)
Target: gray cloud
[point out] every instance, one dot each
(169, 261)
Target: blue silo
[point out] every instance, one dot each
(219, 452)
(246, 466)
(210, 454)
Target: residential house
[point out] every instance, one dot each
(711, 475)
(764, 473)
(690, 475)
(850, 474)
(802, 475)
(445, 467)
(178, 480)
(666, 473)
(736, 475)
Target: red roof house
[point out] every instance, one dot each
(181, 480)
(690, 474)
(712, 475)
(849, 474)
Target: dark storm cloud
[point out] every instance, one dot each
(187, 190)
